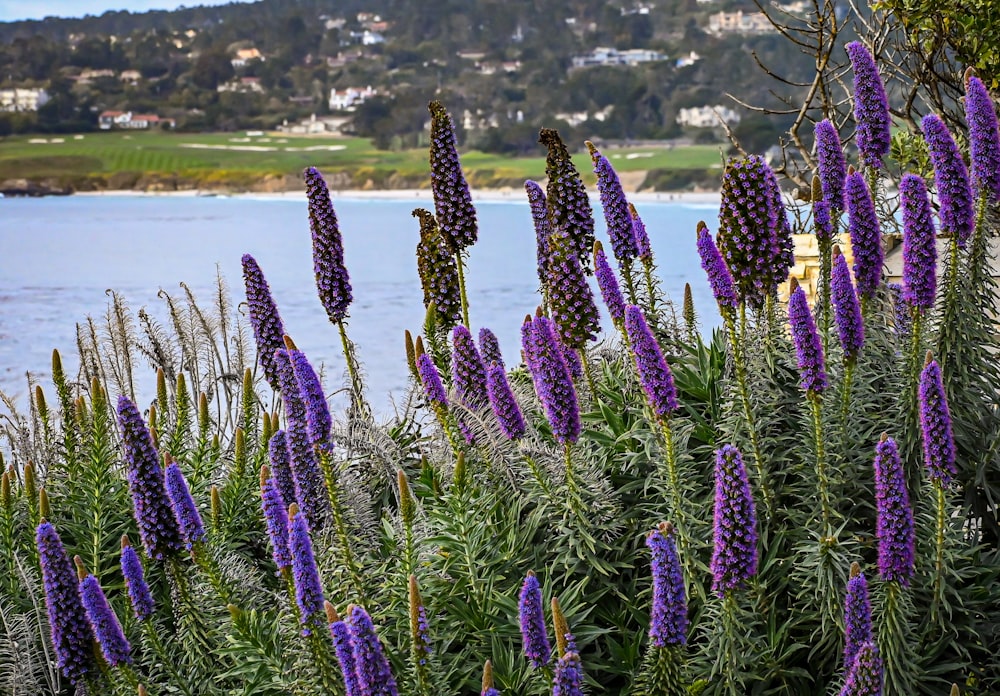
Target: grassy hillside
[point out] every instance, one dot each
(186, 160)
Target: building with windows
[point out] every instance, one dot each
(22, 98)
(129, 121)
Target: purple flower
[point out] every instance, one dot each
(310, 488)
(734, 553)
(569, 676)
(308, 589)
(153, 514)
(616, 212)
(871, 107)
(751, 235)
(857, 616)
(607, 282)
(864, 677)
(719, 277)
(318, 419)
(344, 649)
(570, 214)
(374, 674)
(72, 635)
(832, 166)
(552, 378)
(543, 230)
(332, 281)
(901, 312)
(419, 628)
(919, 244)
(822, 224)
(846, 310)
(654, 373)
(431, 380)
(504, 404)
(489, 348)
(275, 519)
(571, 301)
(783, 240)
(452, 200)
(114, 646)
(264, 318)
(935, 425)
(438, 271)
(135, 583)
(894, 519)
(951, 179)
(808, 348)
(642, 248)
(281, 467)
(532, 617)
(866, 236)
(468, 370)
(186, 512)
(984, 139)
(668, 622)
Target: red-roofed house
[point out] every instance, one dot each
(126, 119)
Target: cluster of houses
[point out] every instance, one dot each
(127, 120)
(22, 98)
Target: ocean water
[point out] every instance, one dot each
(60, 256)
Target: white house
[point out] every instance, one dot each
(602, 55)
(22, 98)
(739, 22)
(707, 116)
(244, 56)
(348, 99)
(126, 119)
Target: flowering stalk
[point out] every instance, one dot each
(617, 217)
(264, 318)
(569, 211)
(871, 108)
(420, 641)
(374, 674)
(645, 252)
(864, 676)
(608, 285)
(543, 234)
(436, 396)
(866, 238)
(832, 166)
(850, 325)
(339, 517)
(690, 317)
(734, 555)
(531, 615)
(436, 264)
(857, 616)
(823, 227)
(569, 676)
(984, 139)
(114, 645)
(488, 688)
(340, 632)
(551, 377)
(505, 406)
(663, 672)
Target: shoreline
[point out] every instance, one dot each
(483, 195)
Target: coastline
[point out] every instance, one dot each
(483, 195)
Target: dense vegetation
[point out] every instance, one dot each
(826, 477)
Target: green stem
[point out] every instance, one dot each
(357, 386)
(588, 374)
(629, 284)
(461, 289)
(340, 523)
(822, 478)
(647, 271)
(939, 550)
(845, 394)
(823, 295)
(540, 479)
(153, 636)
(730, 629)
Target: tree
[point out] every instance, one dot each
(212, 69)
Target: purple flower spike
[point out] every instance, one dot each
(864, 677)
(822, 224)
(569, 676)
(719, 277)
(114, 646)
(832, 166)
(866, 236)
(504, 404)
(951, 179)
(654, 374)
(901, 312)
(808, 347)
(857, 616)
(784, 242)
(343, 647)
(310, 488)
(543, 230)
(607, 282)
(281, 467)
(570, 214)
(642, 247)
(871, 107)
(489, 348)
(431, 380)
(276, 520)
(332, 281)
(616, 212)
(468, 370)
(668, 621)
(935, 425)
(984, 139)
(72, 635)
(894, 523)
(264, 318)
(153, 513)
(919, 244)
(186, 512)
(571, 301)
(135, 583)
(318, 418)
(734, 554)
(452, 200)
(531, 614)
(308, 589)
(374, 673)
(552, 379)
(438, 271)
(846, 310)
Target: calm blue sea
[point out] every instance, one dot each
(58, 256)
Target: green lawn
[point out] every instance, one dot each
(102, 154)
